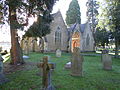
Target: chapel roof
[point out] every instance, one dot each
(77, 27)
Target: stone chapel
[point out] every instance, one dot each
(66, 39)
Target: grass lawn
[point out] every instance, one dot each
(94, 78)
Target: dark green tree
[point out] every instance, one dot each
(73, 14)
(101, 37)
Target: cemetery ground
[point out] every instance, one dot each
(25, 77)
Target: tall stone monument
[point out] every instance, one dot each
(76, 63)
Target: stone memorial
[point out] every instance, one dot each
(107, 61)
(58, 53)
(2, 76)
(76, 62)
(26, 49)
(46, 77)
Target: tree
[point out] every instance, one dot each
(40, 28)
(73, 14)
(92, 12)
(101, 37)
(28, 8)
(112, 21)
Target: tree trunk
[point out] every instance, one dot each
(116, 47)
(16, 51)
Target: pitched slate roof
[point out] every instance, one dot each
(76, 27)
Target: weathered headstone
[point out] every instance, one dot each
(2, 76)
(76, 62)
(106, 60)
(46, 68)
(26, 49)
(58, 53)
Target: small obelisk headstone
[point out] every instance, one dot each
(76, 62)
(2, 76)
(106, 60)
(58, 53)
(46, 68)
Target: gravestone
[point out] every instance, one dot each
(58, 53)
(106, 60)
(2, 76)
(46, 77)
(26, 49)
(76, 62)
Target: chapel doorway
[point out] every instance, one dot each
(75, 40)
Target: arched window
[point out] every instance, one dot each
(58, 36)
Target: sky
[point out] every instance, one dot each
(63, 6)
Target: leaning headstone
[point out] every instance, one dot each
(2, 76)
(76, 62)
(58, 53)
(107, 61)
(68, 65)
(46, 77)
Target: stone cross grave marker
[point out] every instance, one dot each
(58, 53)
(2, 76)
(76, 62)
(107, 61)
(46, 77)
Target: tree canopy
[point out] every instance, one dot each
(73, 14)
(110, 20)
(41, 27)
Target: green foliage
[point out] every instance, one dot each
(25, 8)
(40, 28)
(73, 14)
(111, 20)
(112, 17)
(101, 37)
(94, 77)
